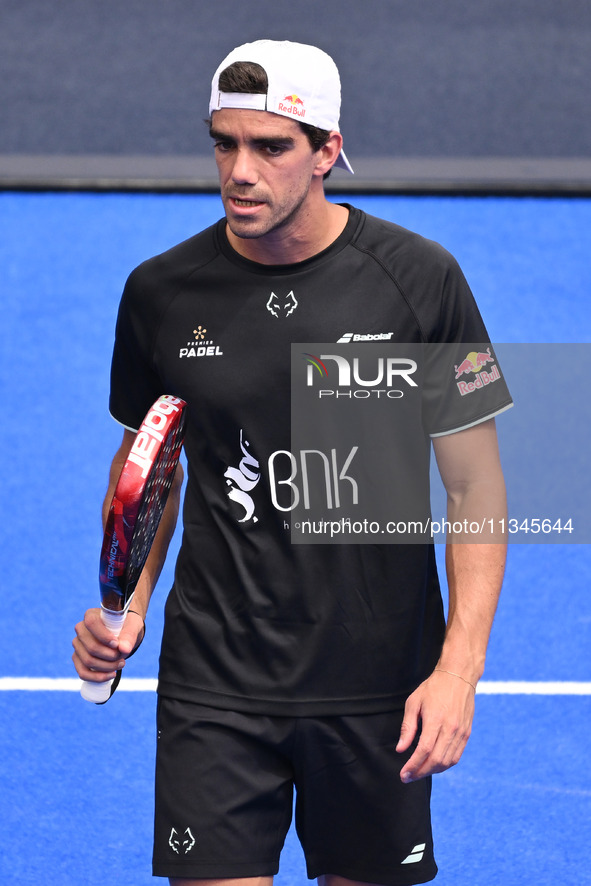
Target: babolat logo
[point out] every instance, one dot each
(200, 346)
(376, 381)
(150, 435)
(354, 336)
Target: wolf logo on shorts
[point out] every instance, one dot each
(178, 842)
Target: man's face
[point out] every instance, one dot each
(266, 165)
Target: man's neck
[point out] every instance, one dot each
(293, 244)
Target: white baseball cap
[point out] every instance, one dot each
(303, 83)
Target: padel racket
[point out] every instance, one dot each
(134, 515)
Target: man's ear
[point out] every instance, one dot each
(328, 154)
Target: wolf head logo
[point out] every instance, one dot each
(282, 307)
(184, 841)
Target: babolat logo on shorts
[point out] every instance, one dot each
(201, 346)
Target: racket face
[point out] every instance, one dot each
(139, 500)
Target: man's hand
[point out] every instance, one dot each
(444, 707)
(98, 655)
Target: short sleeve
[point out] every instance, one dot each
(463, 382)
(135, 384)
(463, 386)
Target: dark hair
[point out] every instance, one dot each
(249, 77)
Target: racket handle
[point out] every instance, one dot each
(101, 692)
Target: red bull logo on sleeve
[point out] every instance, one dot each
(475, 362)
(292, 104)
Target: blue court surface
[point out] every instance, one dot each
(76, 779)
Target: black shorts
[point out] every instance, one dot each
(224, 796)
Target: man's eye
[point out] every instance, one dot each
(223, 146)
(275, 150)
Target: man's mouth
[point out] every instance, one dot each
(239, 202)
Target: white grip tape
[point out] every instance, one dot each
(100, 692)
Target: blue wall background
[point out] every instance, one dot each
(491, 78)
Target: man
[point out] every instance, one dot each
(327, 667)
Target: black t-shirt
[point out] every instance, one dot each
(254, 622)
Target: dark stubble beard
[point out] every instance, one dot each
(274, 225)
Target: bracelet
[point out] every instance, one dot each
(451, 673)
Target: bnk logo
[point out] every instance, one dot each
(346, 372)
(292, 477)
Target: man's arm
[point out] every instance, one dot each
(97, 654)
(444, 704)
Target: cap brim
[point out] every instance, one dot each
(343, 163)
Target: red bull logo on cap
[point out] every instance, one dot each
(474, 363)
(292, 104)
(294, 99)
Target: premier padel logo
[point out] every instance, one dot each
(282, 306)
(201, 345)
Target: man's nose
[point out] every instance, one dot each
(244, 170)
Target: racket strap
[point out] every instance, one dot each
(135, 648)
(114, 684)
(117, 677)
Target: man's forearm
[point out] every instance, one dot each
(475, 576)
(476, 544)
(475, 570)
(157, 556)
